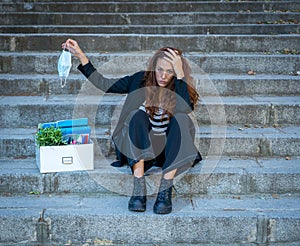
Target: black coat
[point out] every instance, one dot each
(130, 85)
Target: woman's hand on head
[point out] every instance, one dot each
(175, 60)
(75, 49)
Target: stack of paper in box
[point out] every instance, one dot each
(74, 131)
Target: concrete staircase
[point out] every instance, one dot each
(245, 56)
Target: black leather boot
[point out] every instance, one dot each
(138, 199)
(163, 203)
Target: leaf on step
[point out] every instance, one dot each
(68, 243)
(103, 242)
(251, 72)
(34, 193)
(295, 73)
(275, 196)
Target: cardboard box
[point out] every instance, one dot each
(64, 158)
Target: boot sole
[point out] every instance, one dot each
(141, 208)
(165, 210)
(137, 209)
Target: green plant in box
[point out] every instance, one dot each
(50, 136)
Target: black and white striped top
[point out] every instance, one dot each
(160, 121)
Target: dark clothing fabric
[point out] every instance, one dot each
(176, 149)
(129, 130)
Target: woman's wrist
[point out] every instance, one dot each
(83, 59)
(180, 75)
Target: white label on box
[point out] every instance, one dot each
(67, 160)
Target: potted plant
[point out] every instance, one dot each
(51, 136)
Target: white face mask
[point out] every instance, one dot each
(64, 66)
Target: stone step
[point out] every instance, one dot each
(105, 220)
(152, 6)
(269, 44)
(248, 140)
(208, 85)
(165, 18)
(213, 176)
(242, 29)
(118, 1)
(131, 62)
(29, 111)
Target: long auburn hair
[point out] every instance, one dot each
(164, 97)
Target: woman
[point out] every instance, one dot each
(154, 128)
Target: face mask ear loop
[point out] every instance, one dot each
(65, 48)
(63, 82)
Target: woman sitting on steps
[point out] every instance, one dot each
(154, 128)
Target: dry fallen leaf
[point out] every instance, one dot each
(275, 196)
(251, 72)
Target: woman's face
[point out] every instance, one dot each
(163, 72)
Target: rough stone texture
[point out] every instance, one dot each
(256, 141)
(215, 176)
(188, 29)
(137, 42)
(200, 220)
(207, 85)
(210, 111)
(153, 6)
(128, 63)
